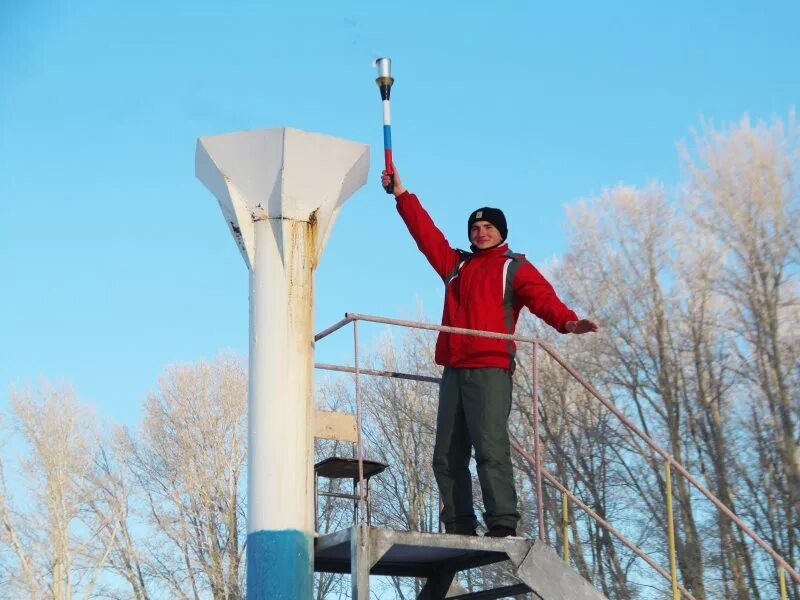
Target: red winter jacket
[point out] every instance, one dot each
(485, 290)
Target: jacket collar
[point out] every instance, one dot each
(491, 252)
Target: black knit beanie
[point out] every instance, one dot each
(495, 216)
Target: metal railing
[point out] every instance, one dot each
(535, 460)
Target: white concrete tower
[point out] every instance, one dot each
(280, 191)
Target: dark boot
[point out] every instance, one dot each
(462, 530)
(501, 531)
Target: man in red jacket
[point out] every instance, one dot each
(484, 289)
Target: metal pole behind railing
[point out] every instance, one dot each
(439, 516)
(565, 525)
(392, 374)
(362, 513)
(782, 581)
(536, 446)
(671, 535)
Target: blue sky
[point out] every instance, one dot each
(115, 260)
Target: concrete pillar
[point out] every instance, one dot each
(280, 191)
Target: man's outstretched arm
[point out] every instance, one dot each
(535, 292)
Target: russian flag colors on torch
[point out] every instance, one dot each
(385, 81)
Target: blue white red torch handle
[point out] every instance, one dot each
(385, 81)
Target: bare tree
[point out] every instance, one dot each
(188, 461)
(623, 242)
(744, 193)
(708, 391)
(120, 505)
(49, 539)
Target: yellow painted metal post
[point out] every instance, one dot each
(565, 524)
(782, 581)
(676, 595)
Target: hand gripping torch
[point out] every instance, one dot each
(385, 81)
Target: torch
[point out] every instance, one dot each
(385, 81)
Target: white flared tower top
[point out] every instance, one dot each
(264, 174)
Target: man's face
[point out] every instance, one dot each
(484, 235)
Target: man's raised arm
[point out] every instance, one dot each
(430, 240)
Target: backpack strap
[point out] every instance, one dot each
(463, 257)
(513, 262)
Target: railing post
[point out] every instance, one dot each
(536, 444)
(671, 533)
(565, 525)
(782, 581)
(439, 514)
(359, 417)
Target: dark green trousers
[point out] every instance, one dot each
(474, 405)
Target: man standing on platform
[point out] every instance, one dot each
(485, 289)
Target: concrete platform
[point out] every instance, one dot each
(438, 557)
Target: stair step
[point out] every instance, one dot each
(501, 592)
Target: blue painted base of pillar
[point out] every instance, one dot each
(279, 565)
